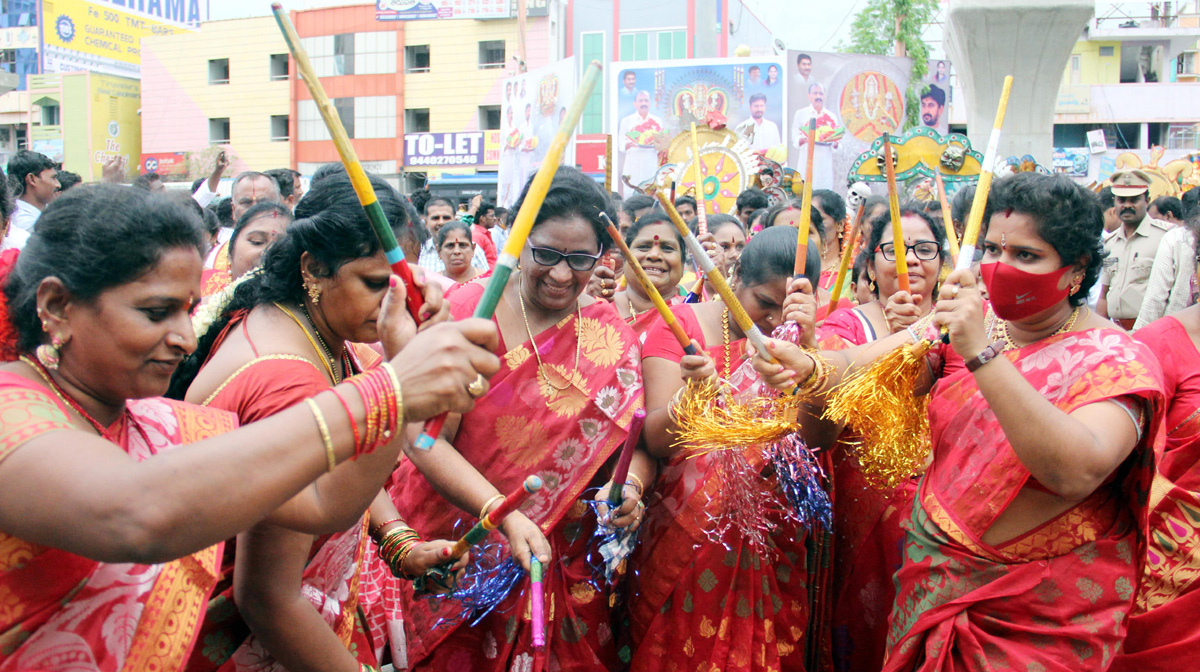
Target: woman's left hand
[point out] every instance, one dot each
(603, 283)
(960, 309)
(800, 307)
(427, 555)
(396, 326)
(791, 365)
(628, 515)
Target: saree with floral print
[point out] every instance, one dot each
(564, 432)
(60, 611)
(1058, 596)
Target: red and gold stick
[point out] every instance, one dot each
(847, 255)
(494, 517)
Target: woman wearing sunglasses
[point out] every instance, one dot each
(867, 533)
(569, 383)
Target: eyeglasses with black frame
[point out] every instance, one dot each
(926, 250)
(576, 261)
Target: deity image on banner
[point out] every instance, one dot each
(872, 105)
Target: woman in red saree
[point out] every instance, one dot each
(293, 598)
(109, 542)
(253, 234)
(866, 521)
(735, 603)
(658, 247)
(1163, 630)
(559, 408)
(1024, 545)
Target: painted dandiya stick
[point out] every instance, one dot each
(523, 223)
(354, 169)
(806, 203)
(660, 304)
(752, 332)
(617, 492)
(899, 250)
(537, 605)
(847, 255)
(608, 164)
(496, 516)
(693, 295)
(966, 254)
(701, 203)
(947, 219)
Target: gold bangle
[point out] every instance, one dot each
(387, 366)
(640, 486)
(676, 399)
(488, 504)
(324, 429)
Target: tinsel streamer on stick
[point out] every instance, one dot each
(743, 506)
(710, 421)
(880, 402)
(800, 479)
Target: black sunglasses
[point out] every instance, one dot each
(576, 261)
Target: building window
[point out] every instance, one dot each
(279, 67)
(489, 117)
(655, 45)
(279, 127)
(635, 47)
(352, 53)
(50, 115)
(375, 53)
(1107, 51)
(375, 117)
(416, 120)
(218, 131)
(416, 58)
(672, 44)
(345, 110)
(491, 54)
(218, 71)
(593, 112)
(311, 127)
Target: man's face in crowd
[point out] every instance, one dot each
(436, 215)
(930, 112)
(1131, 209)
(252, 191)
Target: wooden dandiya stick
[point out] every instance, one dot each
(806, 202)
(752, 332)
(617, 492)
(966, 254)
(354, 169)
(899, 250)
(660, 304)
(847, 255)
(496, 516)
(947, 219)
(608, 164)
(701, 203)
(523, 223)
(537, 603)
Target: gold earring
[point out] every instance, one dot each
(1076, 285)
(314, 294)
(47, 353)
(872, 285)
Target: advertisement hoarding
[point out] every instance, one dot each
(97, 37)
(415, 10)
(531, 109)
(471, 148)
(115, 128)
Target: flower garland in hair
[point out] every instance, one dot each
(209, 311)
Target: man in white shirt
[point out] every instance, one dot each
(823, 154)
(641, 160)
(205, 190)
(760, 132)
(36, 178)
(438, 211)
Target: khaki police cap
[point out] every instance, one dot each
(1130, 183)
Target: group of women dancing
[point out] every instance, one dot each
(224, 474)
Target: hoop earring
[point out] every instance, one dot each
(314, 294)
(48, 354)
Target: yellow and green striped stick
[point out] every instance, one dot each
(523, 223)
(358, 177)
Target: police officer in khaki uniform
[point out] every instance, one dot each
(1131, 248)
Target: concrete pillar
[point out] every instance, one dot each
(1028, 39)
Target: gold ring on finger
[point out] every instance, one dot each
(475, 389)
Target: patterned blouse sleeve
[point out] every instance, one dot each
(27, 413)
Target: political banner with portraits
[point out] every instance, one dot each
(532, 107)
(853, 98)
(651, 102)
(936, 96)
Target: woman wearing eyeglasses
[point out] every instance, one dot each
(867, 534)
(569, 383)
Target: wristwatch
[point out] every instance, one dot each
(989, 353)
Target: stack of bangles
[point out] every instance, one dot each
(820, 374)
(383, 400)
(363, 667)
(395, 546)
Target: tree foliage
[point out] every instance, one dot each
(875, 31)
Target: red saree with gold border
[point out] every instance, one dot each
(60, 611)
(700, 606)
(520, 427)
(1058, 596)
(1164, 631)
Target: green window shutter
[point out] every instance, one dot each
(680, 44)
(665, 48)
(627, 48)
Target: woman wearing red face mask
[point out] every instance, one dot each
(1024, 543)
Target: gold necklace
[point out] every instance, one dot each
(324, 346)
(326, 362)
(525, 318)
(1009, 344)
(633, 313)
(725, 338)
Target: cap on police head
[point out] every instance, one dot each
(1128, 183)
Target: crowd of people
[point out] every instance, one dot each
(209, 409)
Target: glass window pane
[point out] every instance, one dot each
(680, 44)
(664, 45)
(627, 48)
(641, 48)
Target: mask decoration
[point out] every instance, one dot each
(953, 158)
(882, 165)
(858, 193)
(1016, 294)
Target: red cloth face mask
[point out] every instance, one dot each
(1017, 294)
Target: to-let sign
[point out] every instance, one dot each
(444, 149)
